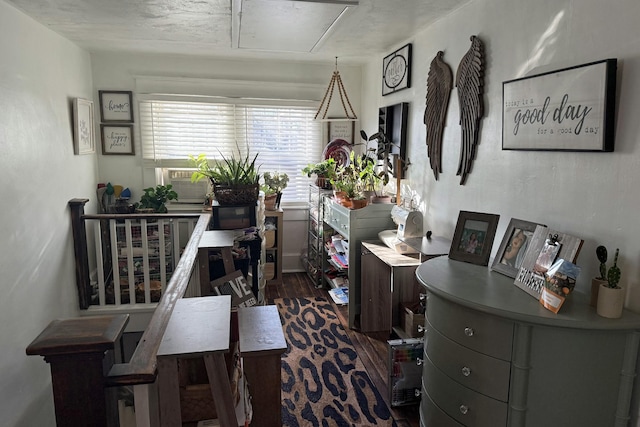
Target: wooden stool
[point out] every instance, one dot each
(261, 346)
(214, 239)
(199, 327)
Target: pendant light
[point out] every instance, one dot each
(336, 80)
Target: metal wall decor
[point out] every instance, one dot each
(469, 81)
(439, 84)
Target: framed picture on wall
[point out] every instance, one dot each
(473, 237)
(116, 106)
(571, 109)
(396, 70)
(83, 134)
(342, 129)
(117, 139)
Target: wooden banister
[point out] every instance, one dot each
(141, 369)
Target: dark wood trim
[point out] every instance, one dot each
(80, 250)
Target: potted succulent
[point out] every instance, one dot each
(324, 171)
(273, 184)
(155, 199)
(235, 181)
(610, 300)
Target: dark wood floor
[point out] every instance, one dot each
(371, 347)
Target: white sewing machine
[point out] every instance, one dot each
(409, 225)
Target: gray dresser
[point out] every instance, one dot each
(495, 357)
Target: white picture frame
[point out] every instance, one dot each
(83, 127)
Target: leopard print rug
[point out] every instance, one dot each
(323, 381)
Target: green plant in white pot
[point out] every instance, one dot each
(610, 294)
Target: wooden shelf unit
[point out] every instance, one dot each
(273, 246)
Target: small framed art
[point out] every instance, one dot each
(513, 247)
(396, 70)
(117, 139)
(116, 106)
(473, 238)
(83, 134)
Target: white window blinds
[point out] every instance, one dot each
(286, 138)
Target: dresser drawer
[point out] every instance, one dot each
(468, 407)
(432, 416)
(336, 219)
(478, 331)
(479, 372)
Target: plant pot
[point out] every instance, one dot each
(381, 199)
(228, 195)
(270, 202)
(595, 288)
(610, 302)
(323, 182)
(358, 203)
(339, 195)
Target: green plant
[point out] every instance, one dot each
(155, 198)
(228, 171)
(325, 168)
(383, 152)
(274, 182)
(612, 276)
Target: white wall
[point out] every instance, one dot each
(40, 74)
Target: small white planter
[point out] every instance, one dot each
(595, 289)
(610, 302)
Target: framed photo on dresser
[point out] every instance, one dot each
(473, 237)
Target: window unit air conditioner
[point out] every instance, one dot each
(188, 192)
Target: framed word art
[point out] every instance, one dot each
(572, 109)
(116, 106)
(117, 139)
(396, 70)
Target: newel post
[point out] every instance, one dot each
(80, 250)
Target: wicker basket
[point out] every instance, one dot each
(236, 194)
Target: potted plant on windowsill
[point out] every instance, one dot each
(273, 185)
(324, 171)
(154, 199)
(610, 302)
(235, 181)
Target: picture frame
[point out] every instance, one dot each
(396, 70)
(116, 106)
(513, 247)
(117, 139)
(341, 129)
(473, 237)
(568, 248)
(570, 109)
(83, 127)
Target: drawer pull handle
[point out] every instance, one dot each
(419, 361)
(420, 328)
(464, 409)
(466, 371)
(423, 297)
(417, 392)
(468, 332)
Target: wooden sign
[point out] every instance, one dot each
(236, 285)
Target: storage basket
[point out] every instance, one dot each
(236, 194)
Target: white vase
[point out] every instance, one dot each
(595, 288)
(610, 302)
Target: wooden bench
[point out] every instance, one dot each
(199, 327)
(262, 343)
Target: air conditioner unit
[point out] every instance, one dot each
(188, 192)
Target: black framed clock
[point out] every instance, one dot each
(396, 70)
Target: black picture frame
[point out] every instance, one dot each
(473, 237)
(117, 139)
(116, 106)
(570, 109)
(508, 259)
(396, 70)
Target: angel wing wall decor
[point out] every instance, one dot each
(470, 82)
(439, 84)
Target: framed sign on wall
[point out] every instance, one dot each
(572, 109)
(116, 106)
(117, 139)
(396, 70)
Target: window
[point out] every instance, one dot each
(285, 137)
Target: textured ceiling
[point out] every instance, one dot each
(265, 28)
